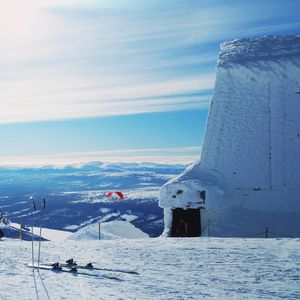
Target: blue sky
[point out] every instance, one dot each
(88, 76)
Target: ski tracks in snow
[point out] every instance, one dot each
(40, 293)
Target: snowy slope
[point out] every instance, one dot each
(250, 164)
(12, 231)
(195, 268)
(109, 231)
(52, 234)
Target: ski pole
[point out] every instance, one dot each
(40, 238)
(32, 207)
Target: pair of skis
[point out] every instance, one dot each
(72, 267)
(72, 264)
(72, 270)
(66, 268)
(33, 207)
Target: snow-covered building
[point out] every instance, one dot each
(248, 176)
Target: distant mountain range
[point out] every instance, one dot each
(76, 195)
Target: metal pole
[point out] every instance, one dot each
(32, 207)
(267, 232)
(99, 231)
(41, 223)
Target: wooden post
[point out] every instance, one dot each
(20, 231)
(99, 231)
(267, 232)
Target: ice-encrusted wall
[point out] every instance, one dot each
(250, 162)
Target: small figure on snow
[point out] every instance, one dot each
(90, 265)
(57, 266)
(71, 262)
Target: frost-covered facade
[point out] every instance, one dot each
(248, 176)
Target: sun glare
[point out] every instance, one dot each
(17, 20)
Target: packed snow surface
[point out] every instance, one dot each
(177, 268)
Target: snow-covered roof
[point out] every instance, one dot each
(259, 48)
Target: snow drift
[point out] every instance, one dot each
(109, 231)
(249, 170)
(12, 232)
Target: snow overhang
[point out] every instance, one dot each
(194, 188)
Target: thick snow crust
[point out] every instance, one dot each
(250, 163)
(195, 268)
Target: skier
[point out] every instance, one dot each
(1, 234)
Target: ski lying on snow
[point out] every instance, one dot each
(66, 270)
(72, 271)
(94, 268)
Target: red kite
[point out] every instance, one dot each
(121, 196)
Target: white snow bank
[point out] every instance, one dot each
(53, 234)
(250, 160)
(12, 231)
(109, 231)
(47, 233)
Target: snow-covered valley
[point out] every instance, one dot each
(76, 195)
(169, 268)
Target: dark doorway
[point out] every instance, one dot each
(186, 222)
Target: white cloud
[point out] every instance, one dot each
(58, 66)
(26, 100)
(72, 59)
(183, 155)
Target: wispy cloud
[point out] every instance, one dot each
(63, 59)
(30, 103)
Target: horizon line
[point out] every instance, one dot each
(180, 155)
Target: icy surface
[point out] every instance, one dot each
(195, 268)
(250, 163)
